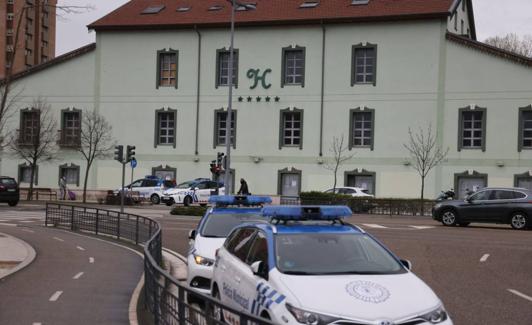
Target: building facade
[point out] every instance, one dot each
(369, 73)
(36, 37)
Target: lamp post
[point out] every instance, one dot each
(228, 128)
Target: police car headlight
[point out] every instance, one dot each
(200, 260)
(436, 316)
(309, 318)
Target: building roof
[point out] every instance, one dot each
(57, 60)
(166, 14)
(490, 49)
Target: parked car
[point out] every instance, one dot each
(195, 191)
(353, 191)
(494, 205)
(308, 267)
(150, 187)
(9, 191)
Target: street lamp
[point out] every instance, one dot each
(228, 128)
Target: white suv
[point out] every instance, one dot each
(149, 187)
(198, 190)
(353, 191)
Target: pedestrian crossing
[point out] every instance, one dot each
(395, 226)
(13, 217)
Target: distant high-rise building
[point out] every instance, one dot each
(35, 21)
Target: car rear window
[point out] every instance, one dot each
(7, 181)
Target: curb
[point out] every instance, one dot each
(27, 261)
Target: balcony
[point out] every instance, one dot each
(69, 138)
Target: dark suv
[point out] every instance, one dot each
(9, 191)
(495, 205)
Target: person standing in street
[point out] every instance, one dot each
(62, 188)
(243, 187)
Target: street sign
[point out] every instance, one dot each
(133, 163)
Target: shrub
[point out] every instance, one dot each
(189, 211)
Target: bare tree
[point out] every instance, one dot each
(7, 100)
(96, 141)
(339, 151)
(513, 43)
(425, 153)
(35, 142)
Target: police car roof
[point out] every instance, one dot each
(306, 228)
(307, 212)
(234, 210)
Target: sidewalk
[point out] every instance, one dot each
(15, 254)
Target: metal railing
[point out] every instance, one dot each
(164, 296)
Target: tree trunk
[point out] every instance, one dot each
(32, 176)
(422, 196)
(335, 172)
(85, 183)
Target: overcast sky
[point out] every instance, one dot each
(493, 17)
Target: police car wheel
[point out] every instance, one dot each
(155, 199)
(217, 311)
(187, 201)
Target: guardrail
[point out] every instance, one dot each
(164, 297)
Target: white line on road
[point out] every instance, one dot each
(372, 225)
(7, 224)
(91, 259)
(28, 230)
(55, 296)
(80, 248)
(37, 323)
(522, 295)
(484, 257)
(77, 276)
(58, 239)
(28, 221)
(421, 227)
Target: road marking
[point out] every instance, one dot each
(7, 224)
(77, 276)
(372, 225)
(484, 257)
(37, 323)
(91, 259)
(522, 295)
(55, 296)
(421, 227)
(58, 239)
(28, 230)
(28, 221)
(80, 248)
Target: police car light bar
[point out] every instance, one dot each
(225, 200)
(297, 212)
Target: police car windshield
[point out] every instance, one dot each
(188, 184)
(220, 225)
(333, 254)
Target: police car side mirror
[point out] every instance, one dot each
(259, 269)
(407, 264)
(192, 234)
(196, 188)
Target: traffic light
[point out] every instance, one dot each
(130, 154)
(219, 159)
(119, 153)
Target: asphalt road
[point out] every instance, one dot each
(447, 259)
(73, 280)
(482, 273)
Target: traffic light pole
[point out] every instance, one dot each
(122, 192)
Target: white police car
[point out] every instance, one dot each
(150, 187)
(195, 191)
(307, 267)
(229, 211)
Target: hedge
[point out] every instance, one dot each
(189, 211)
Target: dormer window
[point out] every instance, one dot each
(359, 2)
(309, 4)
(215, 8)
(152, 10)
(183, 9)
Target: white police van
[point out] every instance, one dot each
(198, 190)
(228, 211)
(308, 267)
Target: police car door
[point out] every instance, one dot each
(230, 263)
(148, 187)
(250, 281)
(203, 191)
